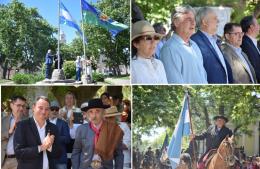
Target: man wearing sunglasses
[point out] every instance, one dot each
(180, 55)
(17, 105)
(64, 133)
(242, 70)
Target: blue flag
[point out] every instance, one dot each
(93, 16)
(182, 129)
(165, 143)
(66, 19)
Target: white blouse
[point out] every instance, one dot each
(147, 71)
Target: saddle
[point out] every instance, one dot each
(206, 159)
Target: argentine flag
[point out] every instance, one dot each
(182, 129)
(66, 19)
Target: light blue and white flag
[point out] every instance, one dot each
(66, 18)
(182, 129)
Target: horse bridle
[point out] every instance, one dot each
(227, 157)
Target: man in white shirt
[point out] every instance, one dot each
(9, 124)
(251, 29)
(36, 141)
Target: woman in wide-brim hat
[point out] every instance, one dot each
(145, 68)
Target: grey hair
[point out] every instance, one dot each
(201, 14)
(179, 11)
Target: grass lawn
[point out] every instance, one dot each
(124, 79)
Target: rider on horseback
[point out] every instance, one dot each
(214, 135)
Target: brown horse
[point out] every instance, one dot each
(224, 158)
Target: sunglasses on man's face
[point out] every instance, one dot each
(55, 109)
(150, 38)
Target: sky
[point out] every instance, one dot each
(155, 133)
(48, 9)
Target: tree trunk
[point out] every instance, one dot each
(221, 109)
(5, 69)
(118, 71)
(206, 113)
(126, 71)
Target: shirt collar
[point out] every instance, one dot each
(38, 126)
(180, 40)
(253, 39)
(211, 37)
(237, 49)
(53, 120)
(98, 126)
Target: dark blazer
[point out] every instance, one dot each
(48, 59)
(211, 62)
(254, 57)
(240, 73)
(213, 140)
(83, 151)
(26, 142)
(64, 138)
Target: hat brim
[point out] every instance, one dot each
(221, 117)
(147, 33)
(113, 114)
(92, 107)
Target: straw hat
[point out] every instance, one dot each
(112, 111)
(142, 28)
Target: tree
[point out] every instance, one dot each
(24, 37)
(160, 106)
(159, 10)
(113, 51)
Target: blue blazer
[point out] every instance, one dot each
(48, 59)
(254, 57)
(64, 138)
(211, 62)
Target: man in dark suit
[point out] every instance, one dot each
(36, 140)
(64, 134)
(249, 44)
(217, 68)
(214, 135)
(48, 64)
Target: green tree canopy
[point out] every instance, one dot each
(24, 37)
(160, 106)
(159, 10)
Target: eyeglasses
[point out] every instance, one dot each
(237, 33)
(150, 38)
(20, 105)
(54, 109)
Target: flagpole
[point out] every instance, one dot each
(191, 127)
(85, 73)
(83, 33)
(59, 35)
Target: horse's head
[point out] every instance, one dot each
(226, 151)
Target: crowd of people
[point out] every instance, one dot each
(51, 60)
(192, 52)
(95, 135)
